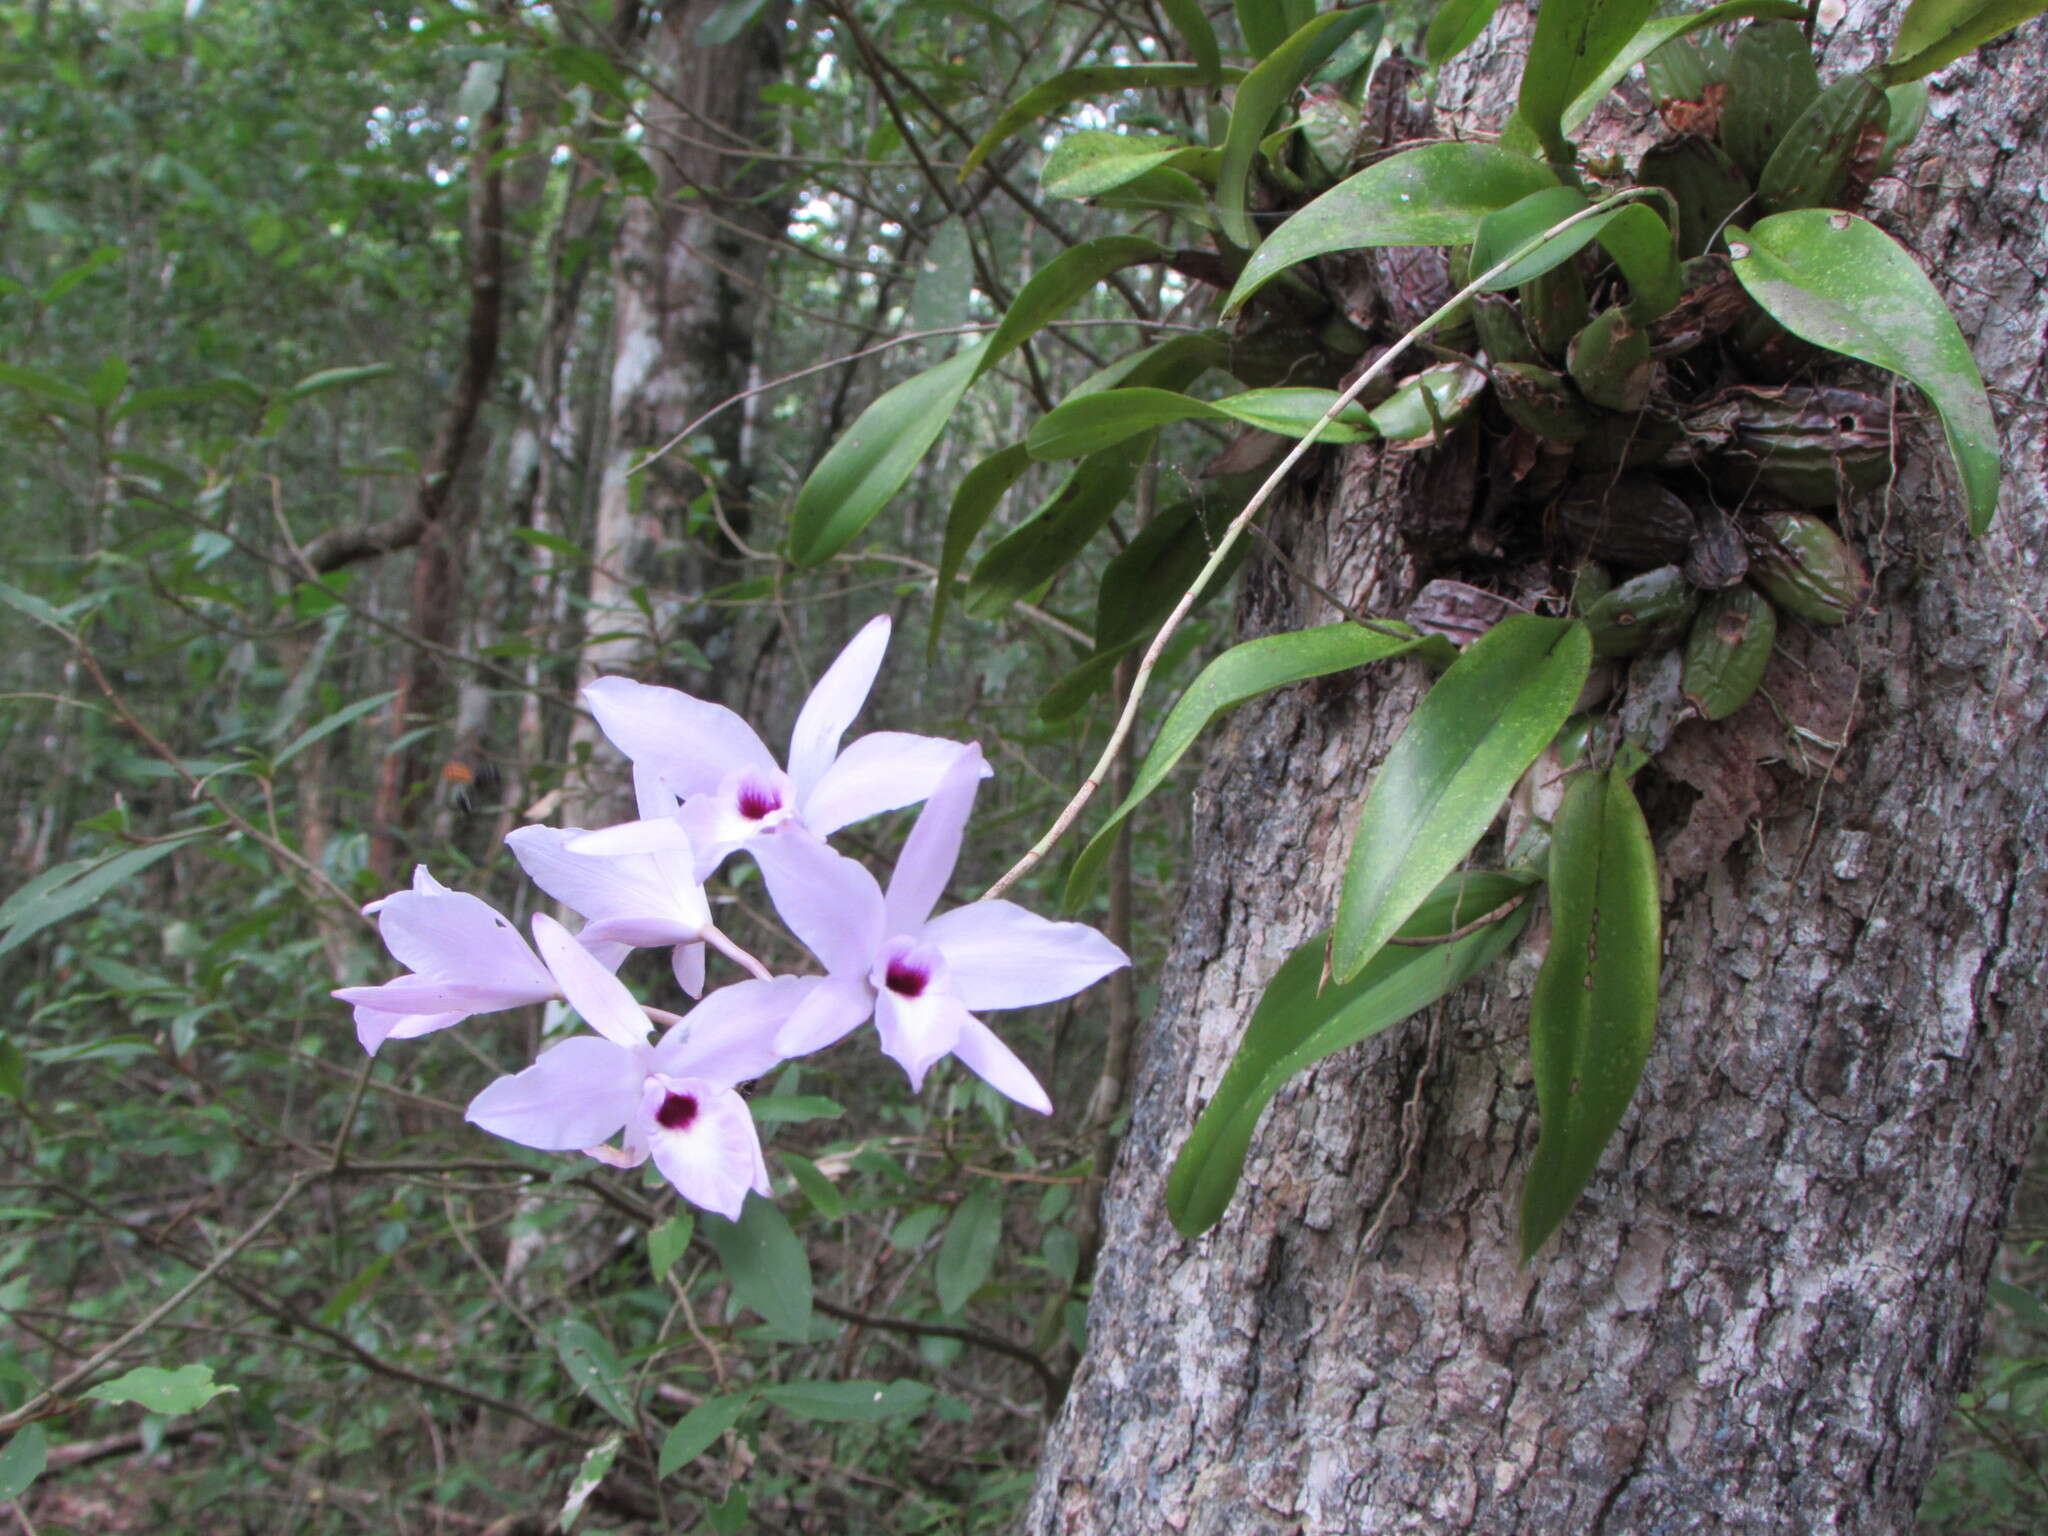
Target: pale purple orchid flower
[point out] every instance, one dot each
(462, 956)
(731, 788)
(645, 897)
(674, 1098)
(924, 978)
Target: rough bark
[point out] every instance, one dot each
(1759, 1313)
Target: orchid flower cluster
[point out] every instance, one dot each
(707, 788)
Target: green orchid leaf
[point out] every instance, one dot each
(1079, 85)
(1435, 194)
(1192, 24)
(1840, 282)
(1059, 284)
(1053, 537)
(1094, 161)
(1454, 28)
(1428, 404)
(1574, 41)
(766, 1263)
(1646, 251)
(1260, 96)
(1301, 1019)
(967, 1253)
(184, 1390)
(1473, 735)
(869, 464)
(944, 289)
(1938, 32)
(1594, 1007)
(1243, 672)
(974, 502)
(1509, 228)
(1656, 34)
(1811, 164)
(1074, 428)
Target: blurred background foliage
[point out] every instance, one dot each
(240, 290)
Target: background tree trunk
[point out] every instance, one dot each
(1759, 1313)
(688, 287)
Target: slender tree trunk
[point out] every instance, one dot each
(1759, 1313)
(687, 293)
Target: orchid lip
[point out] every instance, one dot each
(757, 802)
(677, 1112)
(905, 979)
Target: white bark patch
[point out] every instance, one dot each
(638, 354)
(1957, 996)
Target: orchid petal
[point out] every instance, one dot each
(661, 834)
(374, 1026)
(423, 884)
(594, 992)
(662, 886)
(830, 902)
(880, 772)
(430, 994)
(578, 1094)
(689, 743)
(729, 1038)
(641, 932)
(715, 1158)
(933, 847)
(453, 936)
(687, 961)
(997, 1065)
(651, 796)
(917, 1031)
(831, 1010)
(1001, 956)
(830, 709)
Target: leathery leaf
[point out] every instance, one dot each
(1300, 1020)
(1595, 1003)
(1840, 282)
(1472, 736)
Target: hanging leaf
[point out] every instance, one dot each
(698, 1430)
(1574, 41)
(1938, 32)
(1435, 194)
(819, 1190)
(22, 1461)
(666, 1242)
(1243, 672)
(1301, 1019)
(1082, 84)
(1193, 26)
(1058, 285)
(766, 1264)
(1840, 282)
(849, 1402)
(1656, 34)
(597, 1462)
(968, 1251)
(1473, 735)
(868, 465)
(1045, 544)
(70, 888)
(1594, 1007)
(1077, 427)
(974, 502)
(1259, 99)
(337, 378)
(184, 1390)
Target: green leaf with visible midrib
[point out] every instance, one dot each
(868, 465)
(694, 1433)
(1435, 194)
(1656, 34)
(1594, 1008)
(1262, 94)
(1840, 282)
(1242, 672)
(1077, 427)
(1472, 736)
(1300, 1020)
(968, 1252)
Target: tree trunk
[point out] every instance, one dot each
(688, 294)
(1757, 1316)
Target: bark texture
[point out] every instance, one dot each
(1759, 1313)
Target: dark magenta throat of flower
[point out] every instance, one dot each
(906, 979)
(677, 1112)
(758, 801)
